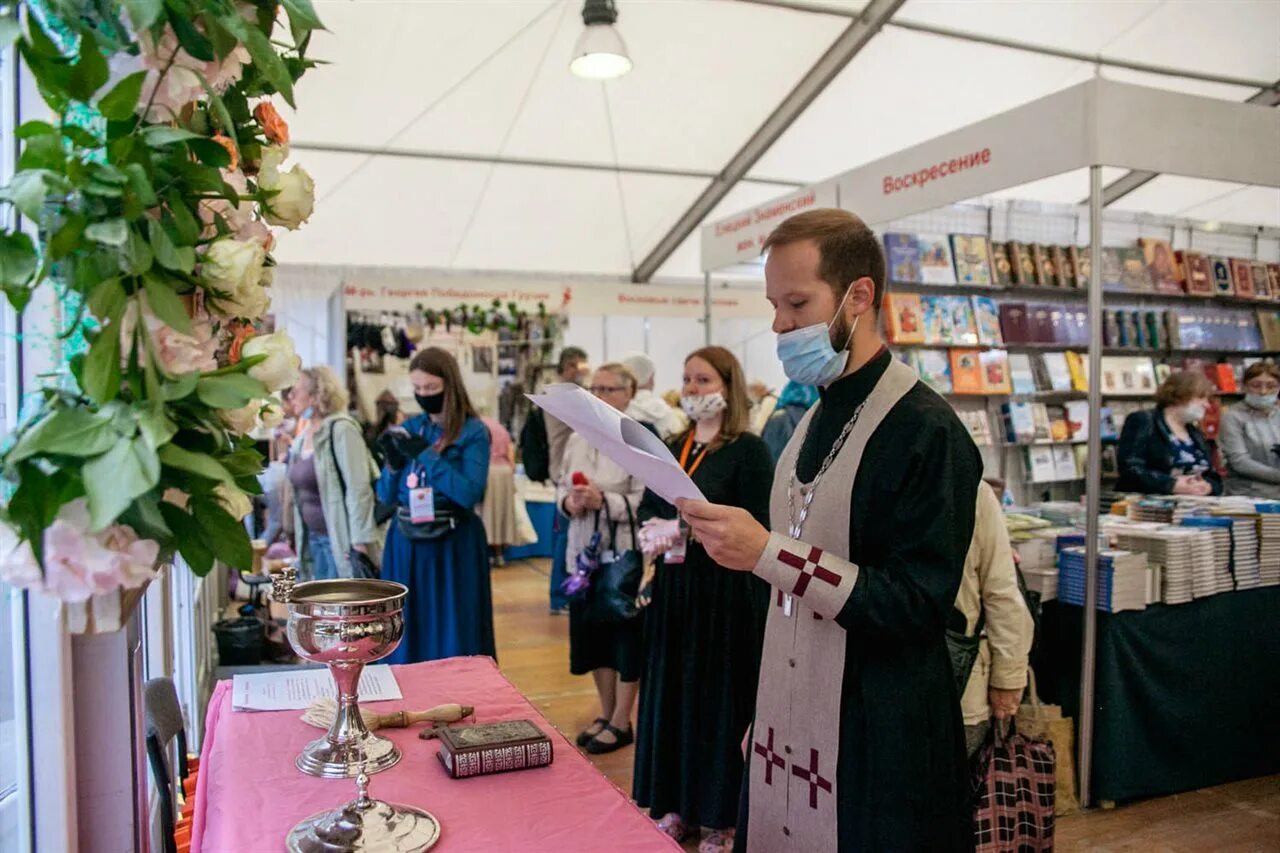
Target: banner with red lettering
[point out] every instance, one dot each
(570, 295)
(739, 238)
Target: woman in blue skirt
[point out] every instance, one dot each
(437, 465)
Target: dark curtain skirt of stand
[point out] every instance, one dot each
(1187, 696)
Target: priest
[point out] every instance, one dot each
(858, 742)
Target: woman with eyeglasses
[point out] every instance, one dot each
(705, 626)
(599, 497)
(435, 471)
(1250, 435)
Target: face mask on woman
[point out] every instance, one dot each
(807, 355)
(702, 407)
(432, 404)
(1193, 413)
(1265, 402)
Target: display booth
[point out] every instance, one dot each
(1076, 132)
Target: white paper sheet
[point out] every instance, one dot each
(297, 689)
(635, 449)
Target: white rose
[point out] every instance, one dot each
(234, 501)
(235, 269)
(295, 191)
(280, 369)
(271, 415)
(259, 413)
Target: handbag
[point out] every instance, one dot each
(1014, 781)
(1047, 723)
(615, 585)
(425, 531)
(963, 649)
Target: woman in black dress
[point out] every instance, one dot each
(704, 629)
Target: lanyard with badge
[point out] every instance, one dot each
(422, 502)
(680, 548)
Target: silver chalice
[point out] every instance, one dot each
(344, 624)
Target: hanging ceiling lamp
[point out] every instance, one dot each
(600, 53)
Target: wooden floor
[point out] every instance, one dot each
(533, 651)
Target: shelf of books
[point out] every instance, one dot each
(1000, 326)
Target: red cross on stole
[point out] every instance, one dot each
(811, 775)
(809, 568)
(771, 758)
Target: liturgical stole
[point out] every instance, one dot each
(796, 736)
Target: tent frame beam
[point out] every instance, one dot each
(531, 162)
(846, 46)
(1029, 47)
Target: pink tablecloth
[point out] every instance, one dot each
(249, 794)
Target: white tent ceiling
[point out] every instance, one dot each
(485, 79)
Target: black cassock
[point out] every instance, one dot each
(901, 781)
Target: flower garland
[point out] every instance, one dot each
(157, 219)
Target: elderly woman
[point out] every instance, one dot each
(1162, 450)
(598, 496)
(330, 472)
(1250, 435)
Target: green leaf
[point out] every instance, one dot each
(90, 72)
(144, 517)
(184, 221)
(141, 184)
(67, 238)
(18, 296)
(27, 191)
(143, 13)
(107, 299)
(229, 392)
(223, 41)
(114, 479)
(168, 255)
(136, 257)
(219, 110)
(17, 259)
(44, 152)
(265, 58)
(163, 299)
(244, 463)
(210, 153)
(73, 431)
(157, 428)
(28, 129)
(122, 100)
(180, 387)
(151, 375)
(225, 535)
(157, 136)
(101, 375)
(80, 136)
(201, 464)
(191, 39)
(189, 538)
(301, 15)
(109, 232)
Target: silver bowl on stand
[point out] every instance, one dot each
(346, 624)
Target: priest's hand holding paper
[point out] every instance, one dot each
(731, 535)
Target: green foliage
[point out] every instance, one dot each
(112, 211)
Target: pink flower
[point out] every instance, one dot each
(79, 564)
(176, 352)
(181, 84)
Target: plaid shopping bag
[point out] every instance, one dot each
(1014, 783)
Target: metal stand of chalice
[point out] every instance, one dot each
(345, 624)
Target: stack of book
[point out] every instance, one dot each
(1211, 572)
(1124, 579)
(1244, 548)
(1158, 510)
(1170, 552)
(1269, 542)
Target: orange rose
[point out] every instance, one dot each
(226, 143)
(273, 126)
(241, 333)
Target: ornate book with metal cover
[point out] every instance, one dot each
(493, 748)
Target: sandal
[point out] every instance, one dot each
(624, 737)
(674, 826)
(585, 736)
(717, 841)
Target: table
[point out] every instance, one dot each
(1186, 696)
(249, 794)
